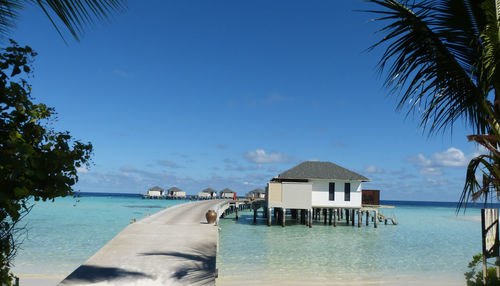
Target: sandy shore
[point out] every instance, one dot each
(39, 281)
(407, 280)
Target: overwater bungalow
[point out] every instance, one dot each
(227, 194)
(156, 192)
(175, 192)
(257, 194)
(207, 193)
(312, 189)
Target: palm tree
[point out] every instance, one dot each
(74, 15)
(441, 59)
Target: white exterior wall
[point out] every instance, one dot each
(179, 194)
(320, 194)
(297, 195)
(203, 195)
(154, 193)
(227, 195)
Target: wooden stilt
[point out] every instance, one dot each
(236, 213)
(324, 216)
(367, 217)
(335, 213)
(330, 211)
(347, 216)
(352, 217)
(283, 217)
(297, 215)
(375, 221)
(268, 216)
(359, 218)
(310, 218)
(340, 214)
(255, 215)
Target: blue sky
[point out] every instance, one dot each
(231, 93)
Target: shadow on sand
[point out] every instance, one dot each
(198, 267)
(94, 274)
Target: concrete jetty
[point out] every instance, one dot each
(172, 247)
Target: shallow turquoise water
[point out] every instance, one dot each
(63, 234)
(429, 243)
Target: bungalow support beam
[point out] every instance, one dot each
(268, 216)
(335, 217)
(367, 217)
(330, 211)
(283, 217)
(310, 218)
(359, 218)
(375, 221)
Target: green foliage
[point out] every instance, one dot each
(440, 58)
(36, 162)
(474, 276)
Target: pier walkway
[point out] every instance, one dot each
(172, 247)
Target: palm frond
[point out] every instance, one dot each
(8, 14)
(473, 190)
(431, 61)
(77, 16)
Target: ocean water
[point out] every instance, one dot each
(430, 243)
(61, 235)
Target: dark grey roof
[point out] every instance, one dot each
(321, 170)
(227, 190)
(209, 190)
(174, 189)
(156, 188)
(257, 191)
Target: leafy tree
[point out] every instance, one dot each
(475, 277)
(441, 59)
(36, 162)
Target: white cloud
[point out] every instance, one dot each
(169, 164)
(374, 170)
(82, 170)
(452, 157)
(260, 156)
(431, 171)
(420, 160)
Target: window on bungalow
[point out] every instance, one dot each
(347, 192)
(331, 191)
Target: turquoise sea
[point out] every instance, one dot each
(431, 244)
